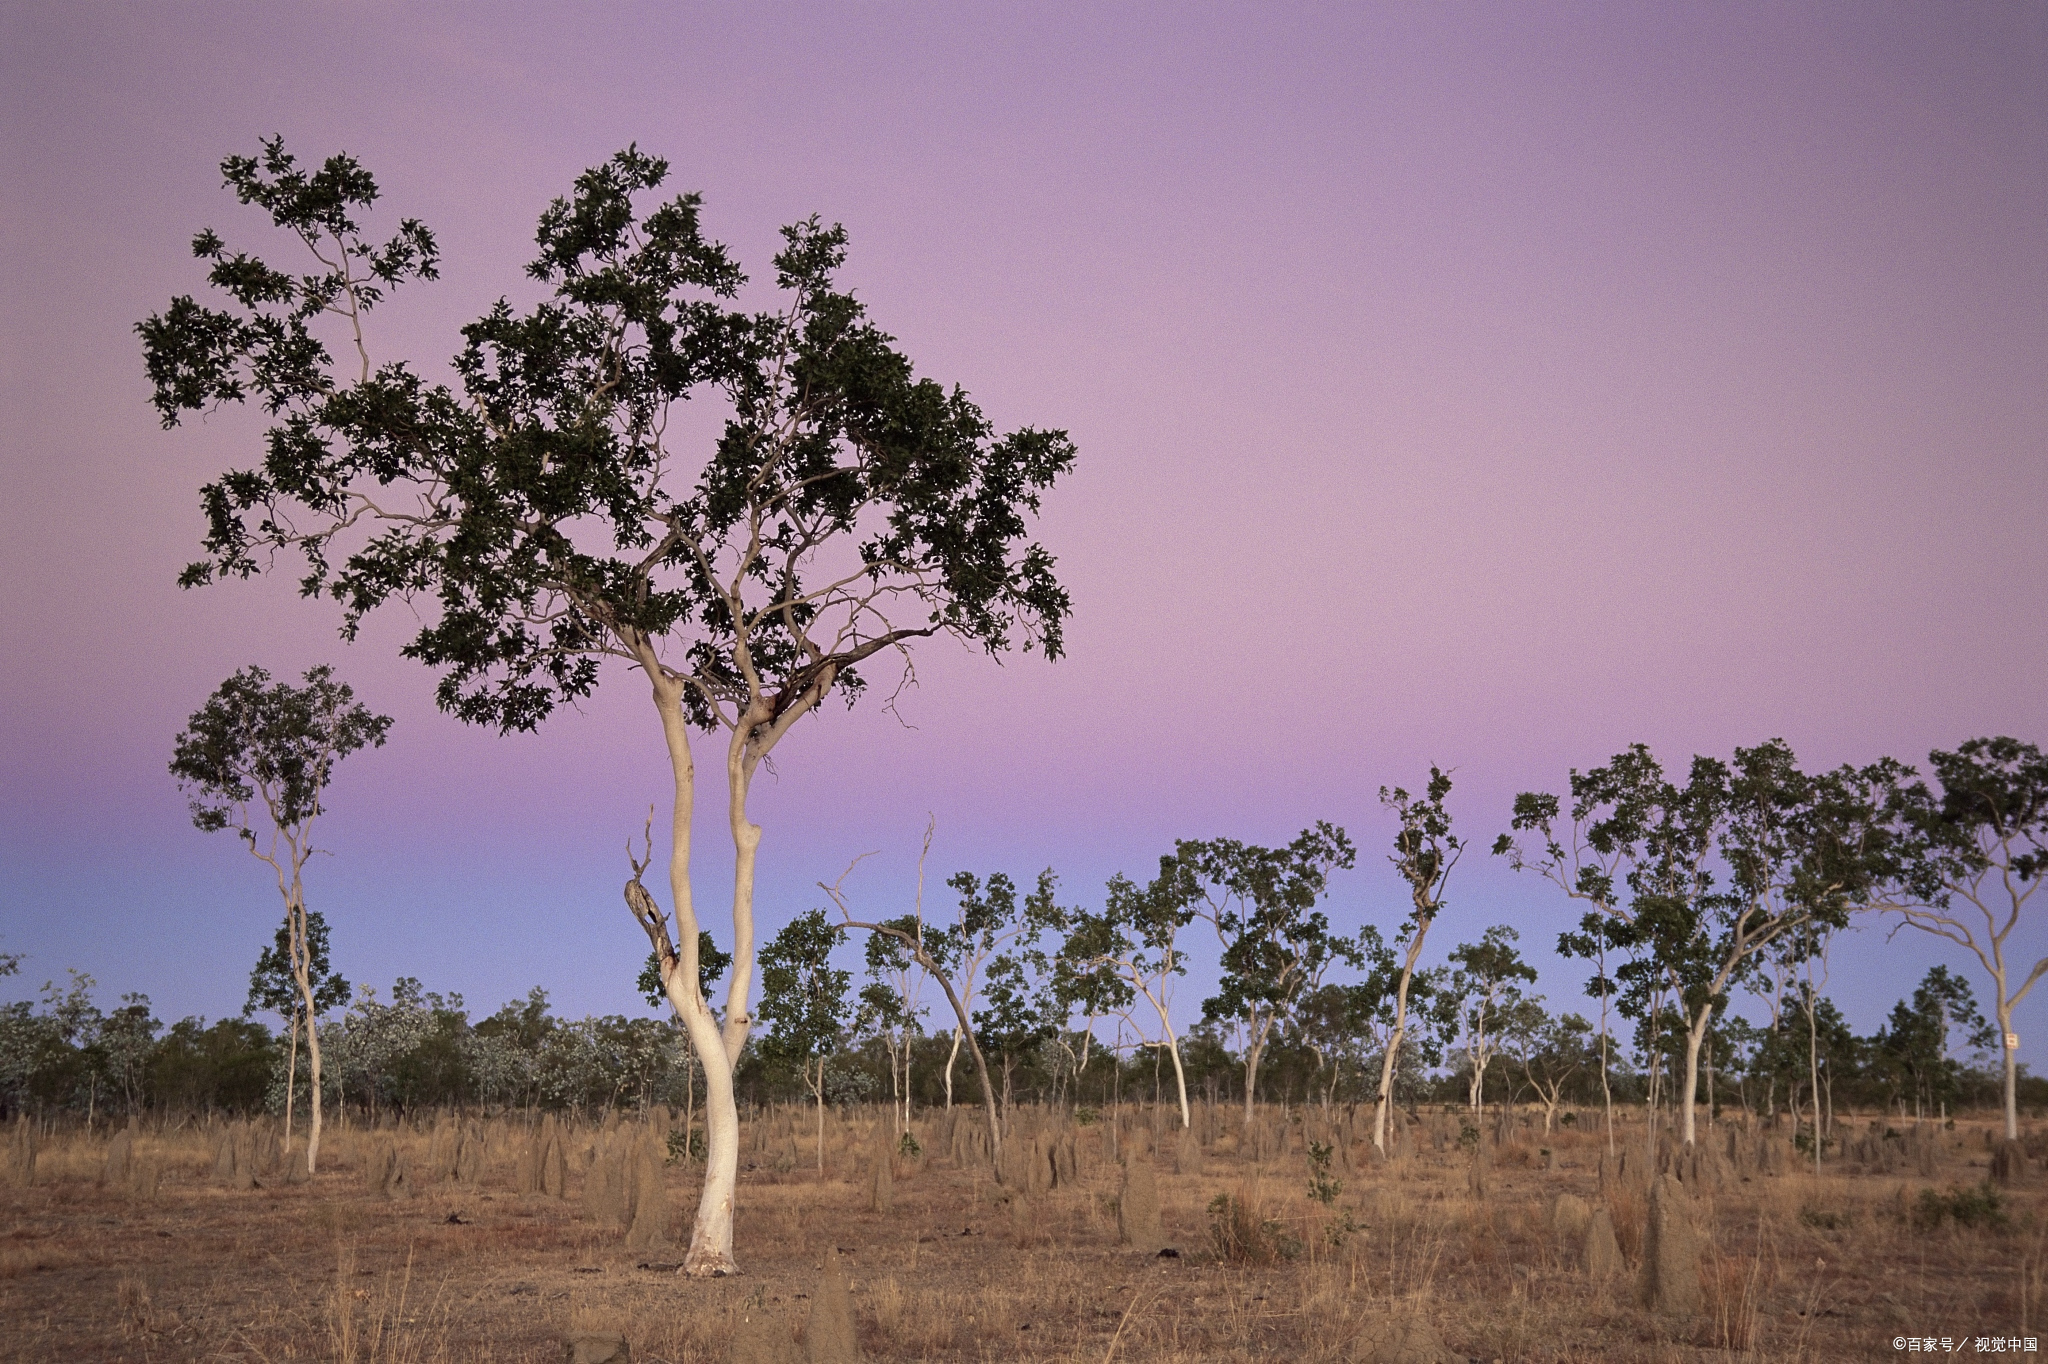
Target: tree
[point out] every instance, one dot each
(1016, 1013)
(1550, 1051)
(1135, 940)
(274, 988)
(1483, 992)
(1917, 1042)
(260, 752)
(845, 508)
(803, 1002)
(889, 1005)
(711, 964)
(953, 957)
(1425, 851)
(1794, 851)
(1337, 1023)
(1588, 864)
(985, 923)
(1276, 944)
(126, 1038)
(1089, 981)
(1966, 862)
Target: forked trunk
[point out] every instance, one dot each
(710, 1251)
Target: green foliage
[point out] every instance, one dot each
(254, 740)
(803, 996)
(272, 987)
(685, 1146)
(1322, 1187)
(711, 965)
(909, 1146)
(1979, 1206)
(1340, 1229)
(535, 502)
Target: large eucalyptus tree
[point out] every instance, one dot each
(544, 513)
(1964, 862)
(1743, 859)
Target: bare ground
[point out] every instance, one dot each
(1795, 1267)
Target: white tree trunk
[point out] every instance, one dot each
(2012, 1108)
(1695, 1033)
(302, 968)
(1255, 1044)
(1387, 1063)
(710, 1250)
(1180, 1079)
(291, 1081)
(951, 1057)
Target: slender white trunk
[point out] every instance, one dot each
(1695, 1034)
(1254, 1045)
(291, 1081)
(951, 1057)
(710, 1251)
(1387, 1063)
(302, 969)
(2010, 1057)
(1400, 1032)
(1180, 1079)
(1813, 1070)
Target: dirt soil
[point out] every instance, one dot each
(1855, 1263)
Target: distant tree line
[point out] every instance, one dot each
(417, 1049)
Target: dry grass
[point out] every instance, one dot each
(1798, 1267)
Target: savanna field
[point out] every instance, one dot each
(501, 1238)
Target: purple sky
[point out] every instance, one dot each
(1488, 387)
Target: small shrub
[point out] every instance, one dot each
(909, 1146)
(1085, 1116)
(1468, 1137)
(1321, 1187)
(1976, 1207)
(1568, 1120)
(684, 1146)
(1241, 1233)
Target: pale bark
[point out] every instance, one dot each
(710, 1250)
(302, 953)
(951, 1057)
(1391, 1057)
(1255, 1046)
(291, 1081)
(1943, 921)
(1180, 1078)
(1695, 1033)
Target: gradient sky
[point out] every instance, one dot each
(1491, 387)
